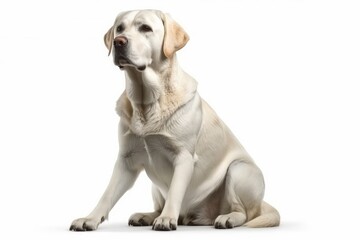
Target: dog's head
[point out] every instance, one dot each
(142, 38)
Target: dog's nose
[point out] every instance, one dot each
(120, 42)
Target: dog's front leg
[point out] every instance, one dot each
(183, 170)
(121, 180)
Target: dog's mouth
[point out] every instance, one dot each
(122, 61)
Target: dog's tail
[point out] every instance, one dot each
(269, 217)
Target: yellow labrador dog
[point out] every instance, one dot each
(201, 174)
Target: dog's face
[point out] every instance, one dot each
(143, 38)
(138, 37)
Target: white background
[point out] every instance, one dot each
(284, 75)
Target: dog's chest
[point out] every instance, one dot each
(161, 152)
(143, 120)
(146, 121)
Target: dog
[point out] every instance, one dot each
(200, 172)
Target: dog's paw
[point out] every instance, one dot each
(85, 224)
(230, 220)
(223, 222)
(164, 224)
(143, 219)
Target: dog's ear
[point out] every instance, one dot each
(175, 37)
(109, 38)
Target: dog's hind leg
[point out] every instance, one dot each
(244, 190)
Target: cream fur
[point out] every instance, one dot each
(201, 174)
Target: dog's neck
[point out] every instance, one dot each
(166, 86)
(153, 96)
(143, 88)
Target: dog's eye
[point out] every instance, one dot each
(120, 28)
(145, 28)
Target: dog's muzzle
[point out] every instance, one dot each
(120, 46)
(120, 58)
